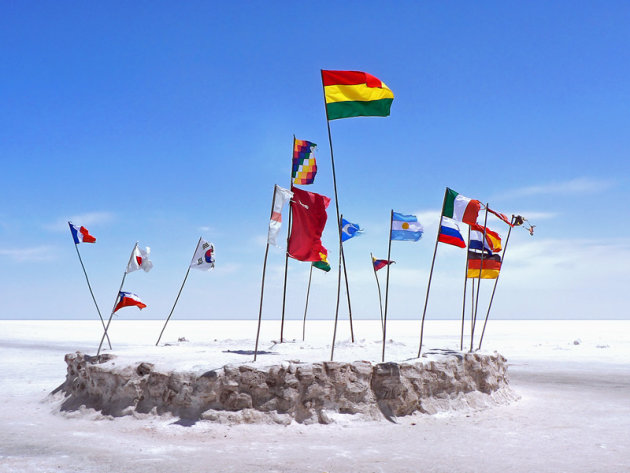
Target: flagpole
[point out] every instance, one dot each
(461, 337)
(389, 257)
(308, 291)
(116, 301)
(262, 285)
(345, 275)
(76, 247)
(380, 301)
(286, 253)
(507, 239)
(483, 244)
(332, 161)
(426, 299)
(177, 298)
(332, 350)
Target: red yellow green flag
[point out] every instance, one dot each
(355, 94)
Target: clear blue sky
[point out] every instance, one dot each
(160, 122)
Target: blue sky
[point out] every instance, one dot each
(160, 122)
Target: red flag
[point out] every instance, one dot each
(500, 216)
(308, 215)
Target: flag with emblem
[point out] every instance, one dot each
(349, 230)
(204, 256)
(406, 227)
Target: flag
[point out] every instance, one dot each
(204, 256)
(281, 196)
(80, 234)
(460, 208)
(380, 263)
(406, 227)
(490, 269)
(349, 230)
(355, 94)
(304, 165)
(308, 213)
(127, 299)
(493, 240)
(500, 216)
(323, 263)
(140, 260)
(450, 233)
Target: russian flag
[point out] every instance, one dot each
(80, 234)
(127, 299)
(450, 234)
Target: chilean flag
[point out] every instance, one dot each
(127, 299)
(80, 234)
(450, 234)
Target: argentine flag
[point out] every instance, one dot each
(406, 227)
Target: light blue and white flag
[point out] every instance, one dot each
(406, 227)
(349, 230)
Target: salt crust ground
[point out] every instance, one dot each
(573, 415)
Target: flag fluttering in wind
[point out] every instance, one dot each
(349, 230)
(460, 208)
(308, 213)
(323, 263)
(492, 243)
(355, 94)
(450, 233)
(81, 234)
(127, 299)
(281, 196)
(490, 268)
(406, 227)
(500, 216)
(380, 263)
(140, 260)
(304, 164)
(203, 258)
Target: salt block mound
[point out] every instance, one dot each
(319, 392)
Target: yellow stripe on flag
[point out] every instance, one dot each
(359, 92)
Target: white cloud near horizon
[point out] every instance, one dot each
(579, 185)
(38, 253)
(86, 219)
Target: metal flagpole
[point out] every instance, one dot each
(345, 275)
(483, 243)
(461, 337)
(380, 301)
(286, 253)
(332, 350)
(262, 285)
(332, 161)
(178, 294)
(116, 300)
(76, 247)
(389, 257)
(308, 291)
(426, 299)
(507, 239)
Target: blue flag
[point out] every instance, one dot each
(348, 230)
(406, 227)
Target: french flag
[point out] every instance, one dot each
(80, 234)
(127, 299)
(450, 234)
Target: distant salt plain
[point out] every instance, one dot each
(573, 378)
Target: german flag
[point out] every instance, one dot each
(491, 266)
(355, 94)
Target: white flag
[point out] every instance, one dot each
(204, 256)
(281, 195)
(140, 260)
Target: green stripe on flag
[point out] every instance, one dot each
(449, 203)
(373, 108)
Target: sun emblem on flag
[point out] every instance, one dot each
(405, 226)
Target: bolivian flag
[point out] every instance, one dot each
(491, 266)
(355, 94)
